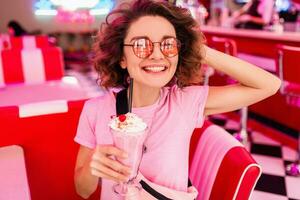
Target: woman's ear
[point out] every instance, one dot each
(123, 63)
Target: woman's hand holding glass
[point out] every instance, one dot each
(104, 165)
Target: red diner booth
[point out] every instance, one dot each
(47, 75)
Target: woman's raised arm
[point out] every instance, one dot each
(255, 84)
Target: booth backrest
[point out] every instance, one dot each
(50, 151)
(30, 66)
(221, 168)
(24, 42)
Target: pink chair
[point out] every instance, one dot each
(288, 70)
(13, 178)
(229, 47)
(220, 166)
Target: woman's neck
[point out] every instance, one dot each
(143, 96)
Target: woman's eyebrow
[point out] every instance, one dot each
(139, 37)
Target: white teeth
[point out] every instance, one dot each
(155, 68)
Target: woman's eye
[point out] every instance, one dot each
(141, 45)
(168, 45)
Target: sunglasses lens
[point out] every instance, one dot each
(143, 48)
(170, 47)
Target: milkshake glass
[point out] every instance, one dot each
(129, 133)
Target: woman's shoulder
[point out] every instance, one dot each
(100, 101)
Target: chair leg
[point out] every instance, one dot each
(294, 168)
(242, 136)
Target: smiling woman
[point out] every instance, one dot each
(109, 47)
(154, 66)
(161, 48)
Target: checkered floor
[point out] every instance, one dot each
(274, 184)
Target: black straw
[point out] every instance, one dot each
(130, 95)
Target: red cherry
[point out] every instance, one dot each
(122, 118)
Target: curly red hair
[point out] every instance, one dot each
(109, 42)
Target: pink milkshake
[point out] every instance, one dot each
(129, 133)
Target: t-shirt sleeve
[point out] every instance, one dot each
(86, 127)
(193, 100)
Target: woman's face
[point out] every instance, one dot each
(157, 69)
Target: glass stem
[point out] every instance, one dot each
(124, 187)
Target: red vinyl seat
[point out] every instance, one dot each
(220, 166)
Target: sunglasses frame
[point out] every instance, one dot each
(160, 47)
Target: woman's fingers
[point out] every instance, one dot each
(103, 175)
(113, 164)
(102, 165)
(116, 165)
(111, 150)
(102, 169)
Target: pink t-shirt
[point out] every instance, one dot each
(171, 121)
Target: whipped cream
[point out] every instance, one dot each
(128, 123)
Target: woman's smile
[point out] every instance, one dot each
(155, 68)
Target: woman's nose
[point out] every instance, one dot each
(156, 54)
